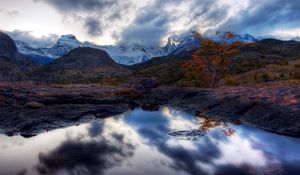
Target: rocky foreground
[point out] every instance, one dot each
(29, 108)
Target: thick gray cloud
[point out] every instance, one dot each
(264, 16)
(93, 26)
(26, 36)
(80, 5)
(97, 10)
(148, 27)
(154, 22)
(157, 19)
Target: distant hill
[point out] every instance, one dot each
(32, 53)
(81, 58)
(81, 65)
(13, 65)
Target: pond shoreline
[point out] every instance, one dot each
(30, 108)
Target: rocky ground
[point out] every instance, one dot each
(29, 108)
(273, 106)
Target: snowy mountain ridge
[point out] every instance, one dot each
(123, 54)
(128, 55)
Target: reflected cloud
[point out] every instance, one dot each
(139, 142)
(81, 156)
(95, 128)
(211, 153)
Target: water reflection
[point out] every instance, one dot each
(140, 142)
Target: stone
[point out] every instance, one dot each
(34, 105)
(150, 83)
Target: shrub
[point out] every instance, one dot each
(297, 65)
(210, 61)
(231, 81)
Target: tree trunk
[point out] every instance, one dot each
(214, 80)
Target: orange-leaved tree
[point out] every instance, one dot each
(211, 59)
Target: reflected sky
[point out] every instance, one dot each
(141, 142)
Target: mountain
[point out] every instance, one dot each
(265, 52)
(81, 65)
(190, 42)
(9, 49)
(133, 54)
(13, 65)
(186, 44)
(64, 44)
(296, 38)
(33, 54)
(123, 54)
(81, 58)
(245, 38)
(11, 70)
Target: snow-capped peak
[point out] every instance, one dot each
(172, 41)
(172, 44)
(68, 40)
(245, 38)
(296, 38)
(190, 42)
(126, 54)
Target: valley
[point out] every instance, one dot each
(87, 83)
(149, 87)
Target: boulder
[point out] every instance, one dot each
(150, 83)
(144, 84)
(34, 105)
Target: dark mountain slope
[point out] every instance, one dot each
(11, 70)
(13, 65)
(81, 65)
(81, 58)
(167, 69)
(8, 47)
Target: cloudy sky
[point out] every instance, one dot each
(147, 22)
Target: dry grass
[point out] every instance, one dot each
(272, 72)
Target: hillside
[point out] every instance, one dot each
(13, 65)
(81, 65)
(167, 69)
(11, 70)
(9, 49)
(263, 53)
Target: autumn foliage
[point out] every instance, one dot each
(210, 123)
(211, 59)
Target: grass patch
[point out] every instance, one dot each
(272, 72)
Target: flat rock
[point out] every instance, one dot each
(34, 105)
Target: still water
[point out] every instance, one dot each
(165, 142)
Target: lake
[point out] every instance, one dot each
(164, 142)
